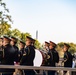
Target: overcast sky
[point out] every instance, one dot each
(54, 19)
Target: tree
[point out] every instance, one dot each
(37, 44)
(4, 28)
(72, 48)
(4, 19)
(23, 36)
(60, 44)
(16, 33)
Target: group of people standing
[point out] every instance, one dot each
(53, 57)
(10, 54)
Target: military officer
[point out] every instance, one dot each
(21, 49)
(53, 57)
(67, 56)
(28, 56)
(47, 46)
(1, 40)
(13, 43)
(1, 47)
(46, 53)
(8, 56)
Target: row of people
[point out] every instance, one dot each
(53, 56)
(10, 55)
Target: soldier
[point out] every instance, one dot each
(28, 56)
(53, 57)
(13, 43)
(74, 63)
(67, 57)
(8, 56)
(1, 47)
(1, 40)
(46, 46)
(46, 49)
(21, 49)
(21, 52)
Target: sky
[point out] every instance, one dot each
(55, 20)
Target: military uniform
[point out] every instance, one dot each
(8, 57)
(50, 61)
(67, 60)
(1, 53)
(1, 49)
(16, 53)
(22, 50)
(46, 53)
(14, 40)
(28, 57)
(67, 57)
(20, 54)
(52, 58)
(74, 63)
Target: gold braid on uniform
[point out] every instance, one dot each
(48, 56)
(24, 54)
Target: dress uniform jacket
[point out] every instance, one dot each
(21, 52)
(50, 60)
(53, 57)
(16, 53)
(1, 53)
(67, 59)
(27, 59)
(8, 58)
(28, 56)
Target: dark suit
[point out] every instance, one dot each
(27, 59)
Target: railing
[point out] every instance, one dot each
(38, 68)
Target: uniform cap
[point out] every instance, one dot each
(46, 42)
(67, 45)
(14, 38)
(6, 37)
(54, 44)
(22, 42)
(28, 37)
